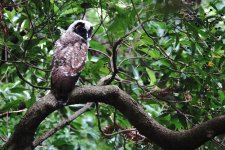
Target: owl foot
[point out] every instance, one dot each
(62, 102)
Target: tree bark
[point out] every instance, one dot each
(190, 139)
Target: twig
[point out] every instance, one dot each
(98, 118)
(84, 13)
(62, 124)
(106, 134)
(138, 57)
(33, 32)
(3, 139)
(24, 62)
(5, 30)
(11, 112)
(172, 105)
(22, 78)
(114, 54)
(92, 49)
(101, 22)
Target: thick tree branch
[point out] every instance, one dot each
(23, 136)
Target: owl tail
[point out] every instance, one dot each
(62, 86)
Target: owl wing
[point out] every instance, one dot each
(78, 57)
(72, 55)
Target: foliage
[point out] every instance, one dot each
(173, 65)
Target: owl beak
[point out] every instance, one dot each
(88, 37)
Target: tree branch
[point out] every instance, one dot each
(62, 124)
(190, 139)
(114, 53)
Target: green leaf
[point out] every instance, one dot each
(10, 105)
(69, 11)
(151, 52)
(135, 73)
(222, 96)
(154, 53)
(151, 76)
(96, 45)
(147, 40)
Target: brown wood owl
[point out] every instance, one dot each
(69, 58)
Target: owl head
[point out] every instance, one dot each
(82, 28)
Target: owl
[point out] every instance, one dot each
(69, 58)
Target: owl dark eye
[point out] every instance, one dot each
(80, 28)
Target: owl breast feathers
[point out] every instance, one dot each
(68, 60)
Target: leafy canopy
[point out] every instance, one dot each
(171, 61)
